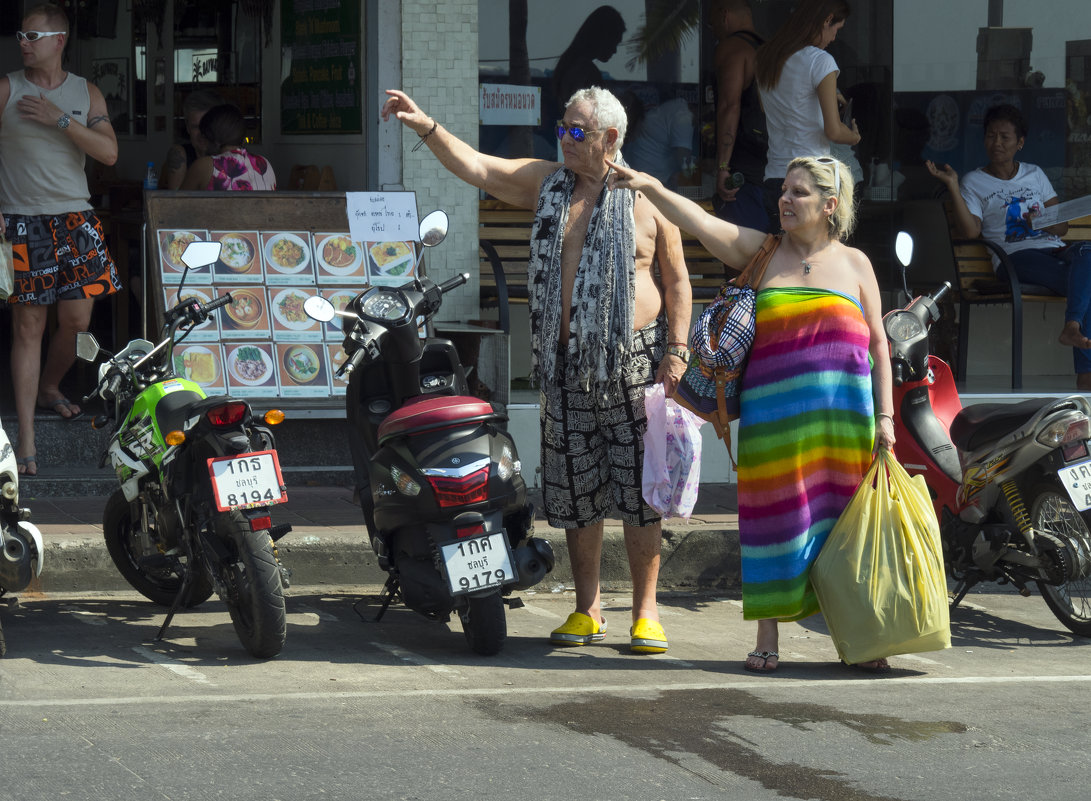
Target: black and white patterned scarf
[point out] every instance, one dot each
(601, 317)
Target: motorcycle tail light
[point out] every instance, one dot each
(469, 531)
(403, 483)
(273, 417)
(229, 414)
(261, 523)
(174, 437)
(1062, 432)
(471, 488)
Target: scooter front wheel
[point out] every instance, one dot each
(484, 623)
(145, 569)
(1052, 512)
(255, 588)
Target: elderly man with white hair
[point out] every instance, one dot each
(604, 326)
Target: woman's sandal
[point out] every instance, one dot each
(25, 464)
(764, 656)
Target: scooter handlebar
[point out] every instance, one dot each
(454, 283)
(113, 386)
(351, 363)
(944, 288)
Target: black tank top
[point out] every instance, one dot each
(751, 139)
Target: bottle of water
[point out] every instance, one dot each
(151, 177)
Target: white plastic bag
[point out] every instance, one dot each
(672, 455)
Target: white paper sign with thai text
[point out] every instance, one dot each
(507, 104)
(382, 216)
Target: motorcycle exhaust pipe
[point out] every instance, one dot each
(533, 559)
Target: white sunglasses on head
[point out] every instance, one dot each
(833, 163)
(34, 36)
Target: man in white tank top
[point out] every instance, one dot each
(50, 121)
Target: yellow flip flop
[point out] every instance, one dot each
(579, 629)
(648, 637)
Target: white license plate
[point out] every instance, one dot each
(248, 480)
(1076, 478)
(478, 563)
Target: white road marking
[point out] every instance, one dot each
(417, 659)
(174, 666)
(763, 685)
(84, 616)
(540, 612)
(303, 609)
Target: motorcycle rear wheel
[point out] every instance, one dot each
(484, 624)
(160, 585)
(1052, 512)
(255, 589)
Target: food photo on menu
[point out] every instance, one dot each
(250, 370)
(202, 364)
(238, 262)
(172, 244)
(340, 297)
(290, 322)
(339, 259)
(209, 330)
(303, 370)
(247, 315)
(288, 257)
(391, 263)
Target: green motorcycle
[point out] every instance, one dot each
(197, 477)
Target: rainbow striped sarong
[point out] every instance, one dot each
(806, 431)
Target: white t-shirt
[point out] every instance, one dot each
(1002, 207)
(666, 128)
(792, 110)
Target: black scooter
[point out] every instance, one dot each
(438, 476)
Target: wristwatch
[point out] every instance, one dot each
(62, 121)
(681, 351)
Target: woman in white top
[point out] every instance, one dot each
(797, 82)
(998, 201)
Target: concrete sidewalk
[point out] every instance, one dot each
(327, 544)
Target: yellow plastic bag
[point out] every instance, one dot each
(879, 577)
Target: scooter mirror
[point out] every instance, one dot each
(319, 309)
(87, 347)
(903, 248)
(433, 228)
(198, 254)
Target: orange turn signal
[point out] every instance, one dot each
(274, 417)
(175, 438)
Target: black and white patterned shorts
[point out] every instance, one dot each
(593, 447)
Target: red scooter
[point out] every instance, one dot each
(1011, 482)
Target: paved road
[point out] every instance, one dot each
(92, 708)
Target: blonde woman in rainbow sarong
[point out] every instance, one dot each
(816, 397)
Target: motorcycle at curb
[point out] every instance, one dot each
(1011, 483)
(197, 477)
(21, 548)
(438, 476)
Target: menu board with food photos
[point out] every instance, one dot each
(262, 344)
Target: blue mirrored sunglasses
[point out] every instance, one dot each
(577, 133)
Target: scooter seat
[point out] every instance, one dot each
(976, 426)
(426, 413)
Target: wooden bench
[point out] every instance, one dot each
(979, 285)
(504, 240)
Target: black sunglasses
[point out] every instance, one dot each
(577, 133)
